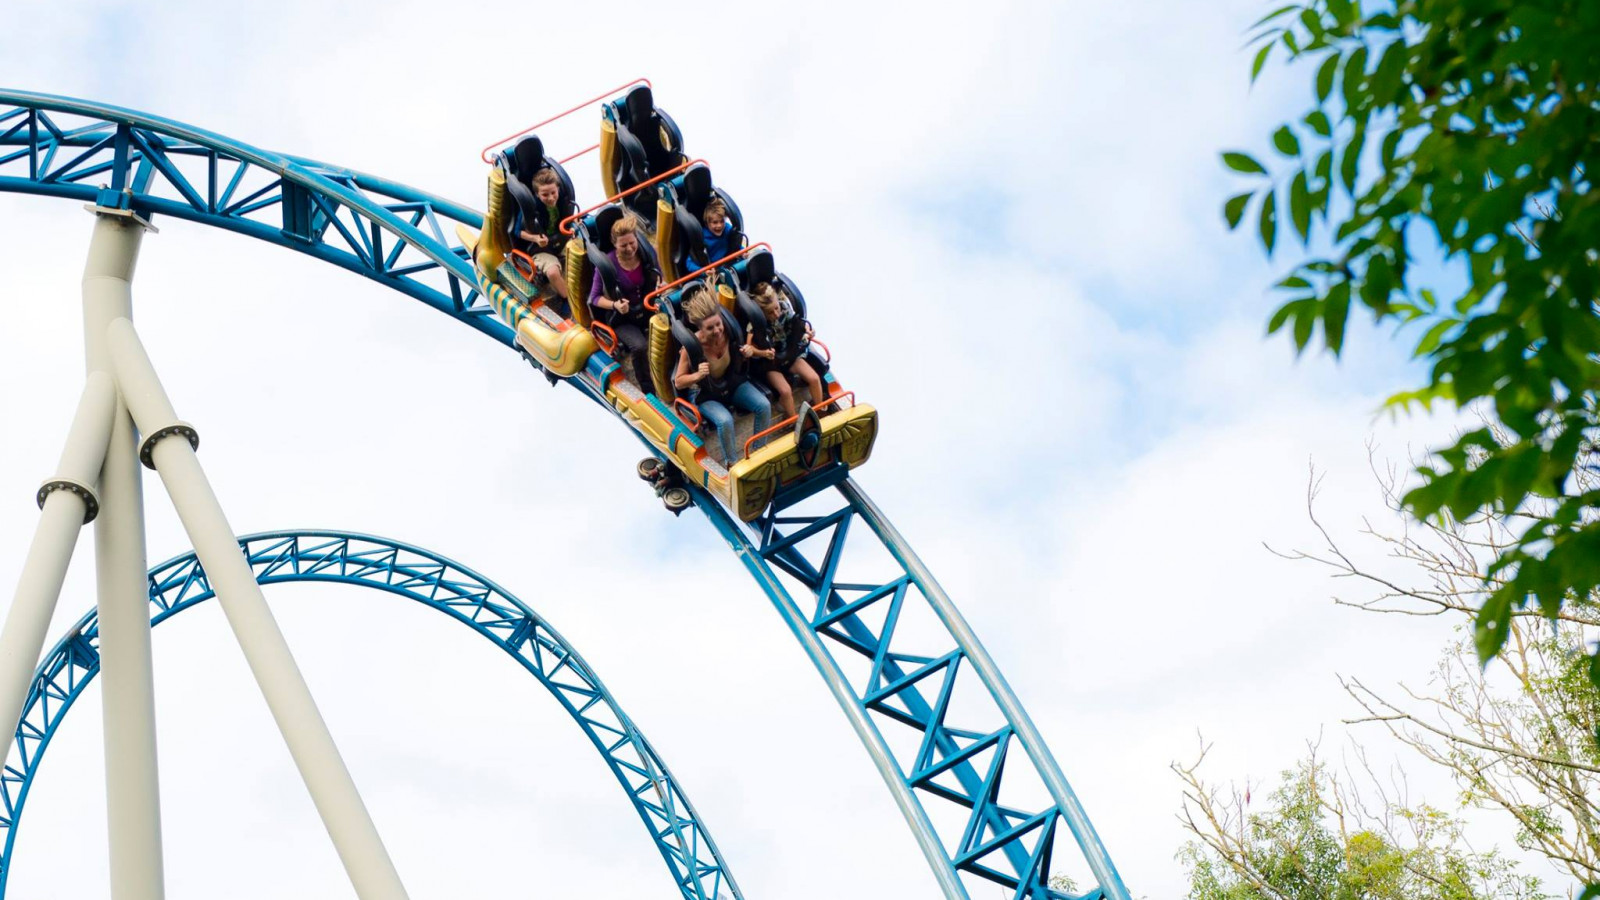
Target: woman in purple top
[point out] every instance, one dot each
(625, 311)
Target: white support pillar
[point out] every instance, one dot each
(127, 682)
(67, 502)
(332, 789)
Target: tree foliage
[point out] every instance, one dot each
(1470, 125)
(1315, 840)
(1518, 738)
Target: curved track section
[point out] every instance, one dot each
(948, 750)
(122, 159)
(434, 581)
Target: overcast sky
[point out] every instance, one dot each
(1006, 221)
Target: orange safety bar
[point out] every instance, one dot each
(484, 155)
(827, 355)
(649, 299)
(698, 419)
(567, 222)
(532, 270)
(792, 419)
(605, 337)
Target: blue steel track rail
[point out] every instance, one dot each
(438, 583)
(118, 158)
(954, 786)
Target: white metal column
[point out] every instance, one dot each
(169, 448)
(66, 502)
(133, 802)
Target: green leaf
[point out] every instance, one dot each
(1430, 340)
(1391, 144)
(1355, 77)
(1304, 321)
(1493, 625)
(1349, 164)
(1300, 206)
(1318, 122)
(1243, 162)
(1335, 313)
(1269, 222)
(1343, 12)
(1281, 315)
(1330, 67)
(1280, 11)
(1260, 60)
(1386, 79)
(1233, 210)
(1313, 23)
(1286, 142)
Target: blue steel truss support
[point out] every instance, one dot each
(676, 830)
(59, 146)
(950, 782)
(397, 236)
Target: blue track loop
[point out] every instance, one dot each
(395, 235)
(438, 583)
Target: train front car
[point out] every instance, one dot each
(557, 330)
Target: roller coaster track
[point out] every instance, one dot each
(434, 581)
(971, 774)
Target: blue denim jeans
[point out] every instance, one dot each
(747, 398)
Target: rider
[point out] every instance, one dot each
(625, 312)
(717, 232)
(715, 377)
(548, 242)
(776, 347)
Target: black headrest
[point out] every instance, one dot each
(637, 106)
(696, 189)
(528, 157)
(758, 268)
(600, 234)
(734, 215)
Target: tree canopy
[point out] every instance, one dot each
(1314, 840)
(1469, 126)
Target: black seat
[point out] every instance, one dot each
(691, 195)
(527, 157)
(755, 268)
(521, 163)
(648, 144)
(697, 189)
(759, 267)
(659, 135)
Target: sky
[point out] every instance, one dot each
(1006, 222)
